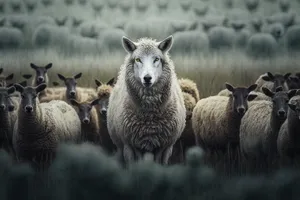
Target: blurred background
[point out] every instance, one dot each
(214, 40)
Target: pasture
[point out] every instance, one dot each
(214, 42)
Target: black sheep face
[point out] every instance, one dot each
(280, 100)
(41, 73)
(70, 83)
(277, 79)
(241, 96)
(84, 110)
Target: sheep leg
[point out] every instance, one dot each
(163, 155)
(128, 154)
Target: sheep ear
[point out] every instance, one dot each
(9, 77)
(19, 87)
(229, 87)
(40, 87)
(1, 70)
(279, 89)
(292, 106)
(251, 97)
(252, 87)
(27, 76)
(77, 76)
(166, 44)
(74, 102)
(54, 83)
(287, 75)
(267, 92)
(128, 45)
(95, 102)
(98, 83)
(23, 83)
(11, 90)
(48, 66)
(33, 66)
(291, 93)
(61, 77)
(111, 82)
(266, 78)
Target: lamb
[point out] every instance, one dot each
(261, 45)
(288, 136)
(261, 123)
(187, 139)
(216, 119)
(89, 120)
(272, 81)
(7, 119)
(146, 112)
(41, 127)
(103, 91)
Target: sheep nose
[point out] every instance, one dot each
(2, 107)
(41, 79)
(72, 93)
(281, 113)
(86, 120)
(28, 109)
(11, 108)
(103, 111)
(147, 78)
(241, 110)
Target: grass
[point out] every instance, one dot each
(209, 71)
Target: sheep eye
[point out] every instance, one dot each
(138, 60)
(156, 59)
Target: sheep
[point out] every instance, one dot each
(284, 5)
(221, 37)
(261, 45)
(10, 38)
(292, 38)
(112, 4)
(61, 21)
(286, 19)
(31, 5)
(41, 127)
(252, 5)
(187, 139)
(41, 75)
(73, 92)
(142, 5)
(190, 42)
(293, 82)
(201, 10)
(241, 34)
(149, 104)
(216, 119)
(277, 30)
(257, 24)
(4, 79)
(88, 116)
(110, 39)
(16, 5)
(69, 2)
(76, 22)
(162, 5)
(126, 5)
(7, 119)
(50, 35)
(261, 123)
(186, 5)
(103, 91)
(47, 3)
(272, 81)
(288, 141)
(97, 6)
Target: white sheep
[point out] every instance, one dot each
(272, 81)
(146, 111)
(41, 127)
